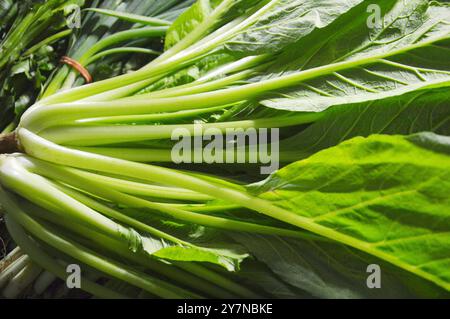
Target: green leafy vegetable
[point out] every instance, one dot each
(384, 195)
(407, 114)
(361, 108)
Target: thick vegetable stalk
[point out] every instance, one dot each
(59, 201)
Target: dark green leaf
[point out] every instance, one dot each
(383, 195)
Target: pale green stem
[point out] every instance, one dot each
(141, 189)
(101, 135)
(172, 59)
(149, 118)
(135, 18)
(47, 262)
(123, 50)
(141, 280)
(43, 149)
(72, 177)
(215, 98)
(118, 247)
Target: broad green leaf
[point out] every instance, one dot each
(208, 244)
(187, 22)
(286, 22)
(330, 270)
(160, 248)
(362, 63)
(384, 195)
(262, 278)
(407, 114)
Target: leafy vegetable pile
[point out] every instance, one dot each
(363, 112)
(31, 37)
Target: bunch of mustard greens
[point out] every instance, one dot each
(32, 34)
(361, 99)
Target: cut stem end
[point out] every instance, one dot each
(9, 143)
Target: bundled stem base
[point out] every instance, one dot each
(9, 143)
